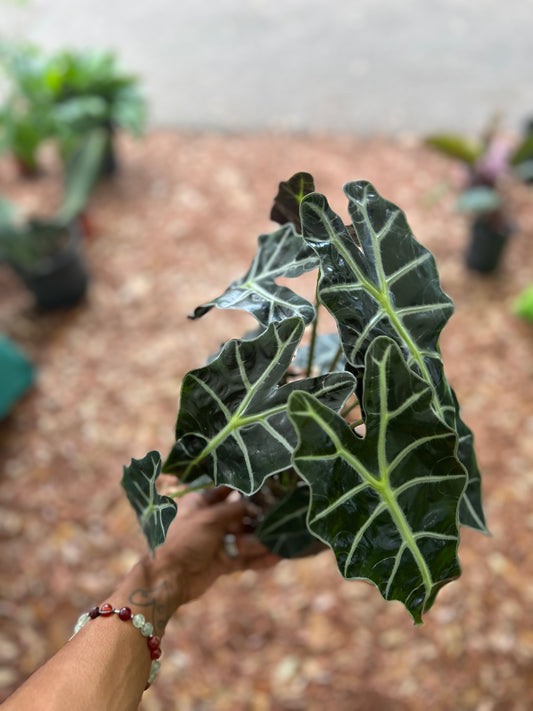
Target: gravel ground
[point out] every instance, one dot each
(169, 232)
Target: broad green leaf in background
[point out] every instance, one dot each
(82, 171)
(287, 202)
(155, 512)
(386, 503)
(524, 151)
(480, 199)
(232, 423)
(282, 253)
(454, 146)
(523, 304)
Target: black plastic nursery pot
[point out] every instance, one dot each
(109, 160)
(61, 280)
(488, 240)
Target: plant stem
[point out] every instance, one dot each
(313, 336)
(349, 408)
(335, 360)
(191, 489)
(356, 423)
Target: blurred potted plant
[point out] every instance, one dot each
(26, 120)
(91, 91)
(486, 162)
(64, 97)
(45, 253)
(357, 443)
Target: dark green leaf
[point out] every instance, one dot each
(471, 509)
(386, 503)
(286, 206)
(82, 171)
(154, 512)
(232, 421)
(281, 253)
(284, 529)
(388, 286)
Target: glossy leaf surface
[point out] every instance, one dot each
(287, 202)
(385, 503)
(154, 512)
(232, 423)
(280, 253)
(387, 286)
(471, 512)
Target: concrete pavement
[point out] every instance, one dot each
(362, 66)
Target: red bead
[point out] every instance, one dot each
(153, 642)
(106, 609)
(155, 653)
(94, 612)
(124, 613)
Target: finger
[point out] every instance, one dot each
(228, 513)
(268, 560)
(216, 494)
(251, 551)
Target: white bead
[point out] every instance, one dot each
(82, 621)
(154, 669)
(138, 620)
(147, 629)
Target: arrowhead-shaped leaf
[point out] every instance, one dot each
(232, 423)
(155, 512)
(389, 285)
(286, 206)
(386, 503)
(282, 253)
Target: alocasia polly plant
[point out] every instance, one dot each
(353, 440)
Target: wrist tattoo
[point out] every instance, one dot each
(155, 601)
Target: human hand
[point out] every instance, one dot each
(193, 554)
(194, 547)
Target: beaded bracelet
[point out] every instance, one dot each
(139, 621)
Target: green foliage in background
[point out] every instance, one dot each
(63, 96)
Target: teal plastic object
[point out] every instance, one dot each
(17, 375)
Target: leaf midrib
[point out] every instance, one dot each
(383, 489)
(380, 295)
(236, 420)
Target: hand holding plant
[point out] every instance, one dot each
(375, 461)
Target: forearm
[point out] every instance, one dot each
(107, 664)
